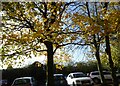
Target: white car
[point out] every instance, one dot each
(24, 81)
(79, 78)
(95, 76)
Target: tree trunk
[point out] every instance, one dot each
(108, 51)
(100, 68)
(97, 52)
(50, 69)
(99, 62)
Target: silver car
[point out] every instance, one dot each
(24, 81)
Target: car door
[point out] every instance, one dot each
(69, 79)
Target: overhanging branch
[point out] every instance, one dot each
(81, 44)
(39, 50)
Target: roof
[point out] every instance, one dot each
(58, 74)
(23, 78)
(77, 73)
(99, 71)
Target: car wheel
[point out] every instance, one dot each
(73, 84)
(96, 80)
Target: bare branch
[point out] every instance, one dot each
(39, 50)
(82, 44)
(36, 6)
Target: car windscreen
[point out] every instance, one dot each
(95, 73)
(106, 73)
(59, 78)
(79, 75)
(22, 81)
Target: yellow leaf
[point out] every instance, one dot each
(45, 20)
(73, 26)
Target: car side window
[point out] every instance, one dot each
(71, 76)
(106, 73)
(96, 73)
(22, 81)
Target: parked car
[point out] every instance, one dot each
(107, 75)
(3, 82)
(24, 81)
(95, 76)
(118, 76)
(59, 80)
(79, 78)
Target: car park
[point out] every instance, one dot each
(79, 78)
(24, 81)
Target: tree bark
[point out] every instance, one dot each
(99, 62)
(99, 65)
(108, 51)
(50, 69)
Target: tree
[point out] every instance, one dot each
(88, 25)
(107, 41)
(32, 27)
(61, 57)
(97, 25)
(115, 58)
(9, 67)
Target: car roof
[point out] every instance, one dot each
(58, 74)
(98, 71)
(94, 71)
(77, 73)
(23, 78)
